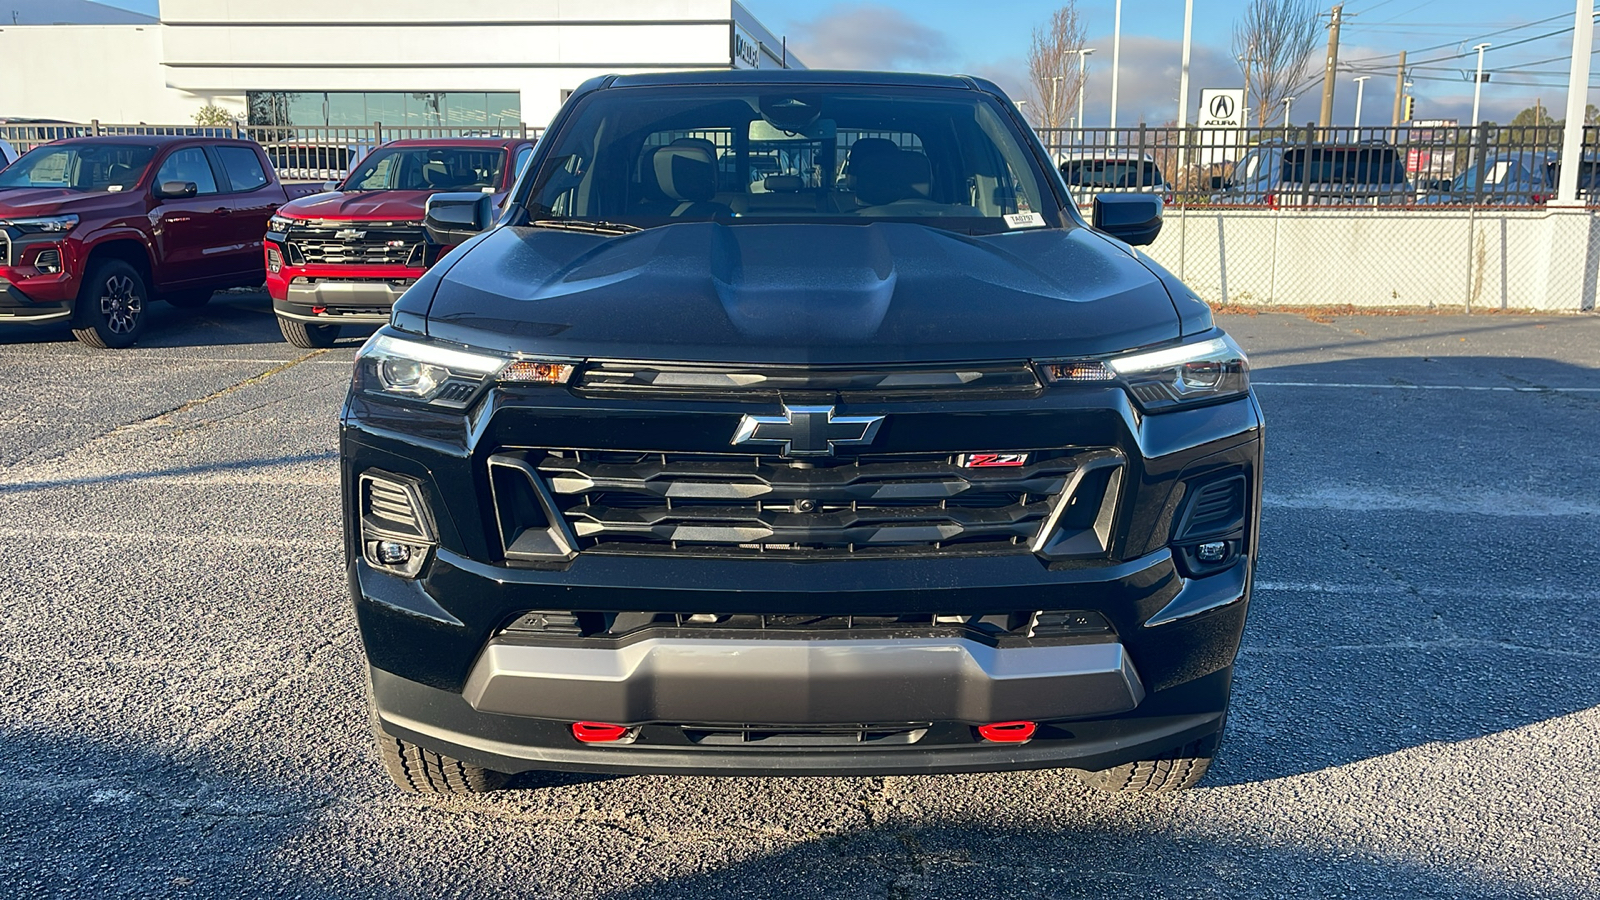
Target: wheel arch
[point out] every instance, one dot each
(126, 248)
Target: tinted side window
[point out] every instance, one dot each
(189, 164)
(243, 168)
(522, 160)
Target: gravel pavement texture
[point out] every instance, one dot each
(1417, 709)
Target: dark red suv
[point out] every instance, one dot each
(93, 229)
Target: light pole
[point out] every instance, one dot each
(1116, 63)
(1083, 82)
(1288, 104)
(1183, 86)
(1361, 89)
(1477, 84)
(1055, 105)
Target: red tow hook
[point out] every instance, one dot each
(1008, 732)
(599, 732)
(318, 310)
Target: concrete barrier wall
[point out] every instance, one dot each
(1514, 259)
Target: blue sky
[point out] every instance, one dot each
(991, 39)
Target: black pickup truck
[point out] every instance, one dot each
(884, 461)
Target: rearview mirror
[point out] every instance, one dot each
(176, 190)
(1133, 218)
(452, 218)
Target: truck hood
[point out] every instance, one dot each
(798, 294)
(398, 206)
(18, 203)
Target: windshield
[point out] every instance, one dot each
(1343, 165)
(429, 169)
(648, 156)
(1110, 173)
(80, 167)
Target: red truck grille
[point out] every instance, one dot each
(357, 244)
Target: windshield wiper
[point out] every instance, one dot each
(586, 225)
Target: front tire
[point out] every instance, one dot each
(307, 336)
(1175, 770)
(425, 772)
(112, 306)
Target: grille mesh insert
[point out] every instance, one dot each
(649, 502)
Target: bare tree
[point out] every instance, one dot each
(1053, 67)
(1273, 40)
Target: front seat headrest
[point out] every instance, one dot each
(686, 172)
(884, 177)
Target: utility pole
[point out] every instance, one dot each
(1399, 89)
(1116, 63)
(1055, 105)
(1330, 67)
(1361, 89)
(1244, 111)
(1577, 100)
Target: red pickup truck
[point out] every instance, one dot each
(344, 257)
(93, 229)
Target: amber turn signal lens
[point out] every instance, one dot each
(530, 371)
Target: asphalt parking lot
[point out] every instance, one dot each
(1417, 711)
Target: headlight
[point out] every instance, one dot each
(1170, 378)
(43, 225)
(282, 224)
(441, 374)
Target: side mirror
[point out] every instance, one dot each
(1132, 218)
(330, 185)
(176, 190)
(1218, 183)
(452, 218)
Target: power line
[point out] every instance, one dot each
(1479, 37)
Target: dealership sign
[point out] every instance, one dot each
(1222, 116)
(746, 50)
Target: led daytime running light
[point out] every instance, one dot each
(433, 354)
(1156, 360)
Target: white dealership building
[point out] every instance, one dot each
(462, 63)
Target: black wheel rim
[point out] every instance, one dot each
(120, 304)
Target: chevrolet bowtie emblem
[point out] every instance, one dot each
(349, 234)
(807, 430)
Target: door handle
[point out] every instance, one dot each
(221, 211)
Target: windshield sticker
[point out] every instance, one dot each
(1024, 220)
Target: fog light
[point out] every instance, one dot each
(1215, 551)
(274, 260)
(393, 553)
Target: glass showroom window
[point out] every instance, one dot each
(451, 109)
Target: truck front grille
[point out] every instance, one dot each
(357, 243)
(623, 502)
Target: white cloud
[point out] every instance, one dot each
(870, 36)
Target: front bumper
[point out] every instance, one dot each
(447, 674)
(336, 294)
(803, 682)
(29, 293)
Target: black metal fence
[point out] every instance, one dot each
(1416, 165)
(1304, 166)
